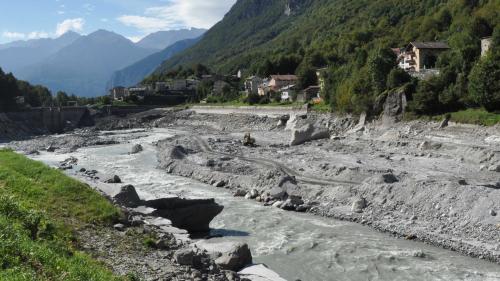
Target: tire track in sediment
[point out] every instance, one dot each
(205, 147)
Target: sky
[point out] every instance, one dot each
(134, 19)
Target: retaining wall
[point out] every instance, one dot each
(272, 111)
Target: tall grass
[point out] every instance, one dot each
(40, 209)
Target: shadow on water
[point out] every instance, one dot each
(228, 233)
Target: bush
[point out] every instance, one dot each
(397, 78)
(484, 82)
(252, 99)
(426, 98)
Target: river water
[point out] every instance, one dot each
(297, 246)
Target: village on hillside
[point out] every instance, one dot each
(418, 59)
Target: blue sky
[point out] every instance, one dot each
(30, 19)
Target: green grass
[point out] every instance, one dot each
(469, 116)
(476, 116)
(321, 107)
(40, 209)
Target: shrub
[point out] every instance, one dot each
(484, 82)
(397, 78)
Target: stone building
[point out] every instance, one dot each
(279, 81)
(252, 84)
(420, 56)
(118, 93)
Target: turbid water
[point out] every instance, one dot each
(297, 246)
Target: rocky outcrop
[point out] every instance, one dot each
(114, 179)
(308, 132)
(127, 197)
(136, 149)
(193, 215)
(237, 258)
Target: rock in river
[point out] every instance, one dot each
(237, 258)
(127, 197)
(114, 179)
(193, 215)
(136, 149)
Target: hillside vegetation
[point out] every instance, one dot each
(353, 39)
(40, 210)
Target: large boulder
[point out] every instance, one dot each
(184, 257)
(127, 197)
(308, 132)
(236, 259)
(394, 107)
(193, 215)
(283, 120)
(113, 179)
(136, 149)
(358, 205)
(177, 152)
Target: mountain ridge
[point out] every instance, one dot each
(135, 73)
(163, 39)
(83, 67)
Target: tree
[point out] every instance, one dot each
(397, 78)
(308, 77)
(8, 91)
(62, 98)
(426, 99)
(379, 66)
(484, 82)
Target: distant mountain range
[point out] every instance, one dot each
(20, 54)
(136, 72)
(83, 65)
(162, 39)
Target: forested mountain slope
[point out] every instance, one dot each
(351, 38)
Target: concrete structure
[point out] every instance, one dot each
(264, 88)
(177, 84)
(271, 111)
(418, 56)
(288, 92)
(252, 84)
(486, 45)
(118, 93)
(52, 119)
(139, 91)
(161, 86)
(308, 94)
(279, 81)
(192, 84)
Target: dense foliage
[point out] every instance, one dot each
(353, 40)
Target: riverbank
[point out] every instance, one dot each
(54, 227)
(411, 179)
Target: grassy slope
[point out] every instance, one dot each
(40, 208)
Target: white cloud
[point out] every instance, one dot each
(70, 24)
(37, 35)
(178, 14)
(61, 12)
(13, 35)
(31, 35)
